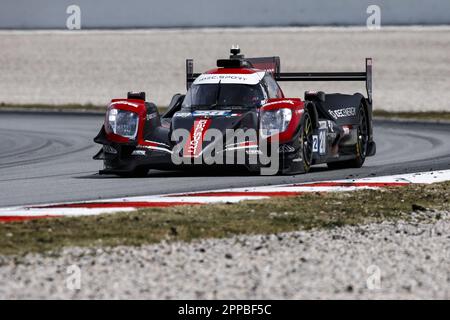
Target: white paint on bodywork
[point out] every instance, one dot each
(238, 78)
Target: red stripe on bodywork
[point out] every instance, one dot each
(194, 144)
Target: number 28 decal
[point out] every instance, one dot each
(319, 142)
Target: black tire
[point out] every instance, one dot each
(361, 145)
(304, 146)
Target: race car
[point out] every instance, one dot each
(241, 95)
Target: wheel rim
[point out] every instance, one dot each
(362, 133)
(307, 140)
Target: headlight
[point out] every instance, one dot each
(123, 123)
(274, 121)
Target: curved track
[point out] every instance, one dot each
(48, 158)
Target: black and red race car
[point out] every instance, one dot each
(241, 95)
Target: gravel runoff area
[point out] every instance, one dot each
(411, 64)
(400, 259)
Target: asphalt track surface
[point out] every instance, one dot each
(47, 158)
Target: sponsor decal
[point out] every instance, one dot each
(138, 153)
(211, 113)
(344, 112)
(206, 113)
(251, 79)
(194, 144)
(182, 114)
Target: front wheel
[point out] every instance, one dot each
(301, 162)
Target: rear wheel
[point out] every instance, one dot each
(361, 145)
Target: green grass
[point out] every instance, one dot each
(188, 223)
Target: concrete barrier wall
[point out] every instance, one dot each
(17, 14)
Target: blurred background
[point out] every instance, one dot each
(87, 52)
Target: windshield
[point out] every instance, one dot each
(218, 95)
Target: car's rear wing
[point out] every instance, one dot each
(331, 76)
(272, 64)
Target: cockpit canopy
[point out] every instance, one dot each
(224, 95)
